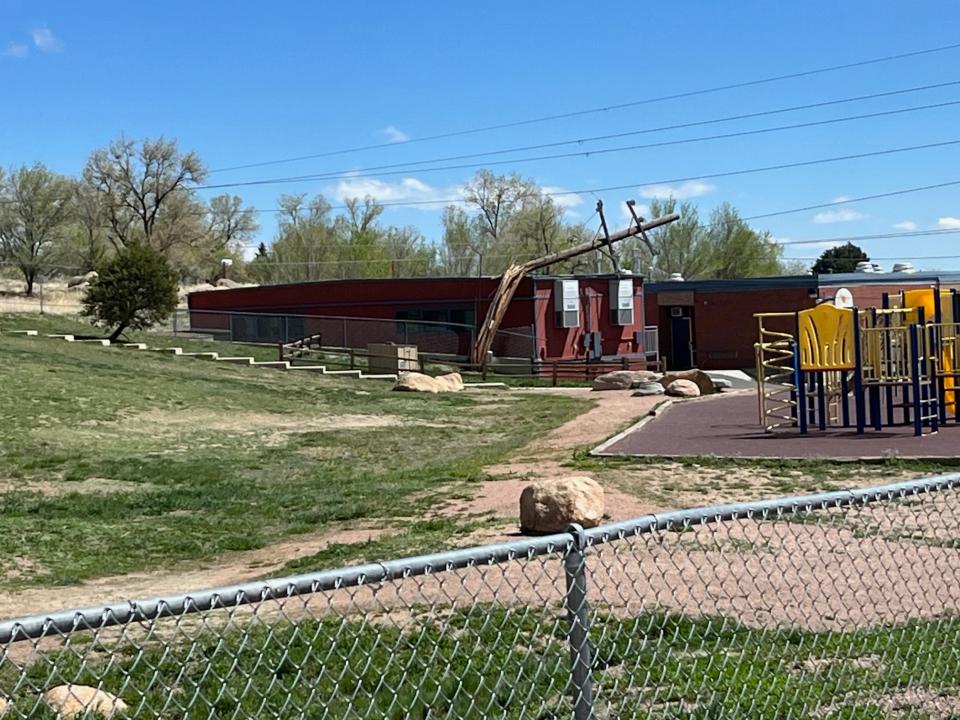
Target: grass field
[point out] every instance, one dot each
(115, 460)
(491, 661)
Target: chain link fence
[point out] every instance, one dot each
(836, 605)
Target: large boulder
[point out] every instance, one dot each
(419, 382)
(624, 379)
(552, 505)
(81, 279)
(721, 384)
(698, 377)
(649, 388)
(683, 389)
(72, 701)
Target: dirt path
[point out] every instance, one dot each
(542, 458)
(545, 458)
(226, 570)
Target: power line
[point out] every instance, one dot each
(846, 201)
(879, 236)
(702, 176)
(365, 172)
(662, 128)
(596, 110)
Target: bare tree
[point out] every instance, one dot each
(145, 188)
(34, 215)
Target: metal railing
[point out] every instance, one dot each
(840, 604)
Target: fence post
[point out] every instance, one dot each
(581, 660)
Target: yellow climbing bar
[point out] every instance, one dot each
(826, 338)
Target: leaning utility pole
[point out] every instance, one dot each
(513, 275)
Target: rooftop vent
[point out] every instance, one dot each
(676, 277)
(904, 267)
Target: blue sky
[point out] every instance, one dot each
(247, 82)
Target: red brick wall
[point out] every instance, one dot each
(724, 326)
(554, 342)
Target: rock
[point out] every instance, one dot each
(683, 388)
(419, 382)
(4, 706)
(552, 505)
(624, 379)
(85, 278)
(650, 388)
(698, 377)
(71, 701)
(228, 283)
(720, 384)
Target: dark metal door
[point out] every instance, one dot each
(681, 344)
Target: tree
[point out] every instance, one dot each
(231, 227)
(737, 249)
(726, 247)
(841, 259)
(682, 247)
(87, 245)
(135, 290)
(794, 266)
(144, 188)
(507, 219)
(34, 215)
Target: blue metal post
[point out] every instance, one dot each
(915, 381)
(844, 399)
(821, 402)
(858, 373)
(801, 384)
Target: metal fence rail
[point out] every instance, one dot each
(835, 605)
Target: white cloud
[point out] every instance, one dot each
(393, 134)
(905, 225)
(688, 189)
(17, 50)
(407, 190)
(835, 216)
(822, 245)
(563, 198)
(45, 40)
(951, 223)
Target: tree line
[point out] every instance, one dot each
(145, 193)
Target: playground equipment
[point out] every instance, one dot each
(893, 364)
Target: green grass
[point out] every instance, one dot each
(490, 661)
(115, 460)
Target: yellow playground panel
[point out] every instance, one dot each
(826, 338)
(898, 360)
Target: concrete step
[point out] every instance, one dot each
(99, 341)
(236, 360)
(310, 368)
(202, 355)
(68, 338)
(171, 350)
(354, 373)
(275, 364)
(379, 376)
(28, 333)
(131, 345)
(486, 386)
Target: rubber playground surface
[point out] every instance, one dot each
(726, 426)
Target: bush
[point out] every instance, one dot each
(135, 290)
